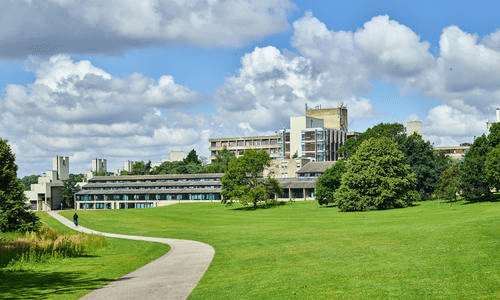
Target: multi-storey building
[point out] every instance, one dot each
(47, 193)
(99, 165)
(118, 192)
(238, 145)
(334, 118)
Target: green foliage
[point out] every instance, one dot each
(242, 180)
(448, 185)
(329, 182)
(192, 157)
(473, 180)
(377, 177)
(381, 130)
(70, 188)
(141, 168)
(14, 214)
(492, 167)
(221, 162)
(424, 163)
(29, 180)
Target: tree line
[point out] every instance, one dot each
(385, 168)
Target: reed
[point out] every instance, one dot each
(46, 244)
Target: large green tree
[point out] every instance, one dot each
(473, 180)
(448, 185)
(377, 177)
(423, 161)
(14, 210)
(381, 130)
(492, 167)
(242, 181)
(329, 182)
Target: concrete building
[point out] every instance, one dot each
(334, 118)
(128, 165)
(99, 165)
(238, 145)
(175, 156)
(414, 127)
(141, 191)
(455, 152)
(47, 193)
(283, 168)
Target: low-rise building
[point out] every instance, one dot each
(120, 192)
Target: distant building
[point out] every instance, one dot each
(47, 193)
(238, 145)
(317, 136)
(128, 165)
(489, 124)
(99, 165)
(414, 127)
(455, 152)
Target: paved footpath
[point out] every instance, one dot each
(172, 276)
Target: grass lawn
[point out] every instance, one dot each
(303, 251)
(71, 278)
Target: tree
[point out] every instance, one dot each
(192, 157)
(329, 182)
(377, 177)
(27, 181)
(426, 164)
(381, 130)
(70, 188)
(221, 162)
(473, 180)
(141, 168)
(448, 184)
(14, 210)
(242, 180)
(492, 167)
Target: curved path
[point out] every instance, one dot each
(172, 276)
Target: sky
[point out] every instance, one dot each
(134, 80)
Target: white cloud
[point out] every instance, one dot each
(114, 25)
(74, 108)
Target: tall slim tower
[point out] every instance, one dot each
(99, 165)
(61, 166)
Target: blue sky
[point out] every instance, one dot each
(114, 80)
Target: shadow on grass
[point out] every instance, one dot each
(28, 284)
(260, 206)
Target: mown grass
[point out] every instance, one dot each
(303, 251)
(45, 275)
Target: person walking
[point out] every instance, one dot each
(75, 219)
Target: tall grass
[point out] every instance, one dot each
(46, 244)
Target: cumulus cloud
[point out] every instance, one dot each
(96, 26)
(78, 109)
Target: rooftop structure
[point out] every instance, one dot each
(334, 118)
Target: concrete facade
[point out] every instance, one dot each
(334, 118)
(238, 145)
(99, 165)
(47, 193)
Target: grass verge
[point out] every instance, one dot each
(73, 277)
(302, 251)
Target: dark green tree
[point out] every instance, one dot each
(377, 177)
(192, 157)
(426, 164)
(242, 181)
(381, 130)
(70, 189)
(329, 182)
(29, 180)
(473, 180)
(492, 167)
(14, 210)
(448, 185)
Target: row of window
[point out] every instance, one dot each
(149, 197)
(151, 187)
(155, 180)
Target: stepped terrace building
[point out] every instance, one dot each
(141, 191)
